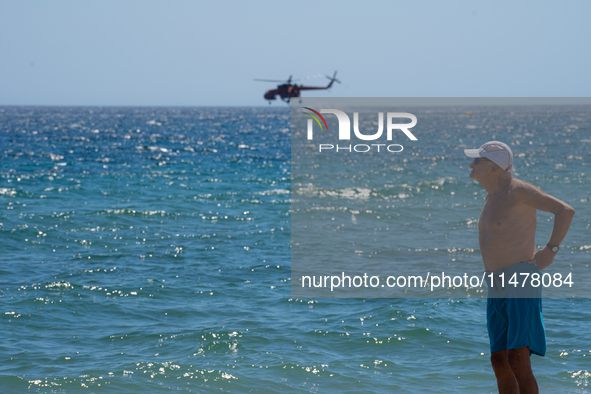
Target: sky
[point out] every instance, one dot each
(208, 53)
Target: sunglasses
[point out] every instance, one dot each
(476, 160)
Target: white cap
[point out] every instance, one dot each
(497, 152)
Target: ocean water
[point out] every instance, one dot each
(147, 250)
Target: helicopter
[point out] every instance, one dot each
(286, 91)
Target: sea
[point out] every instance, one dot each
(148, 250)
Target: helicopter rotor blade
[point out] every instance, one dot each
(310, 77)
(268, 80)
(290, 79)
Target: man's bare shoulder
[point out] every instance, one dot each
(522, 189)
(531, 195)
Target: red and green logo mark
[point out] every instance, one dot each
(315, 118)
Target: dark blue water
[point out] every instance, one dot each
(148, 250)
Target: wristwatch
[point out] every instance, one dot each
(553, 248)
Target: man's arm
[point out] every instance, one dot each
(563, 215)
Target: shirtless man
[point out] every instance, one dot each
(507, 230)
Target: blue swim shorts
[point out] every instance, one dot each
(514, 323)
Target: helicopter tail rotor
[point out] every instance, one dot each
(333, 78)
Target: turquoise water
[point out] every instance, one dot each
(148, 250)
